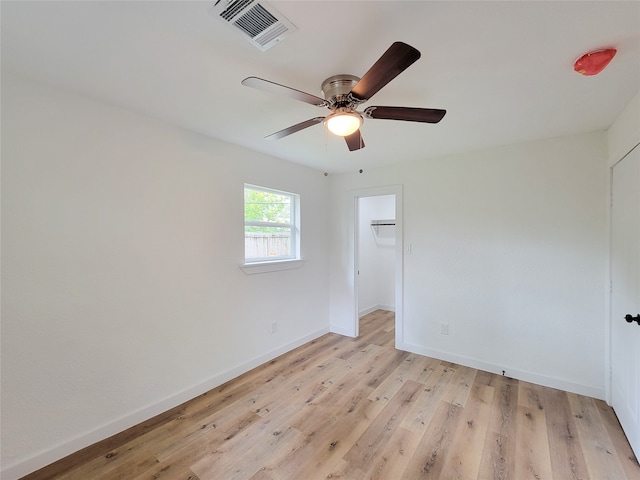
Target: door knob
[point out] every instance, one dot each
(630, 319)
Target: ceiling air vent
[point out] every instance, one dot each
(263, 25)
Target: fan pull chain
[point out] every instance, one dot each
(326, 151)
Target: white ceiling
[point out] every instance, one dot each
(502, 70)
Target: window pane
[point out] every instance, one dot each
(267, 242)
(262, 206)
(271, 231)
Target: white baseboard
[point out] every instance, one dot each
(342, 331)
(523, 375)
(48, 456)
(367, 311)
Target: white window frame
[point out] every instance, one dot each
(265, 264)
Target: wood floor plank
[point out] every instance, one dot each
(394, 381)
(460, 385)
(353, 409)
(628, 460)
(367, 447)
(226, 466)
(326, 440)
(118, 468)
(530, 395)
(186, 454)
(315, 447)
(567, 457)
(418, 368)
(600, 456)
(166, 471)
(226, 454)
(421, 413)
(532, 457)
(465, 454)
(226, 426)
(395, 455)
(262, 475)
(429, 367)
(352, 417)
(430, 455)
(498, 459)
(136, 464)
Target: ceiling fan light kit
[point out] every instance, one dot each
(343, 123)
(344, 93)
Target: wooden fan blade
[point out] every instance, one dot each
(294, 128)
(392, 63)
(354, 141)
(409, 114)
(272, 87)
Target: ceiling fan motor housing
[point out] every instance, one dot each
(337, 87)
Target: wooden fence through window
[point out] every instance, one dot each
(259, 245)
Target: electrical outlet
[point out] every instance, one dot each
(444, 329)
(274, 327)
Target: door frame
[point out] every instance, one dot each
(629, 424)
(399, 251)
(609, 282)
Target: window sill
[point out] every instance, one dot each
(275, 266)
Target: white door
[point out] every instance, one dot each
(625, 297)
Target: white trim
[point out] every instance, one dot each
(399, 255)
(608, 379)
(275, 266)
(523, 375)
(46, 457)
(369, 310)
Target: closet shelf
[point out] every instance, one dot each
(384, 236)
(383, 223)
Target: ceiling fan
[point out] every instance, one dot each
(344, 93)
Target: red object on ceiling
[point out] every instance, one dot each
(593, 63)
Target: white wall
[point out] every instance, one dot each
(624, 134)
(376, 282)
(122, 294)
(508, 248)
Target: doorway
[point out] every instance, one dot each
(378, 252)
(376, 260)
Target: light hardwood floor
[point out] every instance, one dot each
(342, 408)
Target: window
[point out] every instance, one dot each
(271, 225)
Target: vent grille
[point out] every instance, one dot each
(256, 21)
(272, 35)
(234, 8)
(262, 23)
